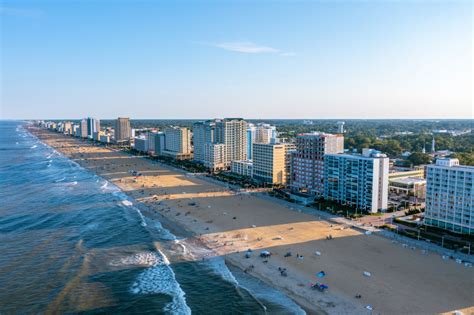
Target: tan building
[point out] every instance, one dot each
(123, 131)
(408, 186)
(270, 162)
(178, 143)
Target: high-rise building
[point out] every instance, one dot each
(259, 133)
(450, 196)
(270, 162)
(67, 128)
(178, 142)
(93, 125)
(340, 127)
(233, 133)
(359, 181)
(215, 156)
(159, 140)
(141, 144)
(123, 131)
(203, 133)
(83, 129)
(307, 162)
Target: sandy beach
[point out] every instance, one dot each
(402, 280)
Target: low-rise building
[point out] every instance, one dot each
(408, 186)
(244, 168)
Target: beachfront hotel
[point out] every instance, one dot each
(215, 157)
(233, 133)
(123, 132)
(83, 129)
(259, 133)
(359, 181)
(270, 162)
(307, 162)
(178, 142)
(244, 168)
(210, 135)
(450, 196)
(93, 125)
(203, 133)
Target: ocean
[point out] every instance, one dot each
(72, 242)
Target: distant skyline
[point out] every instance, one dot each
(266, 59)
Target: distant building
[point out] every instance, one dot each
(244, 168)
(68, 128)
(450, 196)
(83, 131)
(159, 142)
(269, 162)
(307, 162)
(178, 142)
(93, 125)
(141, 144)
(359, 181)
(340, 127)
(123, 132)
(97, 134)
(104, 138)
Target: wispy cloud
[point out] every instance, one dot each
(9, 11)
(250, 48)
(247, 48)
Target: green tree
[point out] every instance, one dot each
(464, 158)
(418, 158)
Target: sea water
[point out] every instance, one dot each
(71, 241)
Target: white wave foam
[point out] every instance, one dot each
(34, 147)
(219, 267)
(127, 203)
(60, 180)
(160, 278)
(164, 233)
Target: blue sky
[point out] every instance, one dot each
(265, 59)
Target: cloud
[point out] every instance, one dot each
(247, 48)
(9, 11)
(288, 54)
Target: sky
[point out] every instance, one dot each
(251, 59)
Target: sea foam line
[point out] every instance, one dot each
(160, 278)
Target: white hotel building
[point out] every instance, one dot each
(450, 196)
(359, 181)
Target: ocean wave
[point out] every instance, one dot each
(160, 278)
(164, 233)
(34, 147)
(218, 266)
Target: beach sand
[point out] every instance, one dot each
(402, 281)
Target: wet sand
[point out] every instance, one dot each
(402, 281)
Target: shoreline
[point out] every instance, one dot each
(197, 225)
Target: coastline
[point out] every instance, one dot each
(220, 236)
